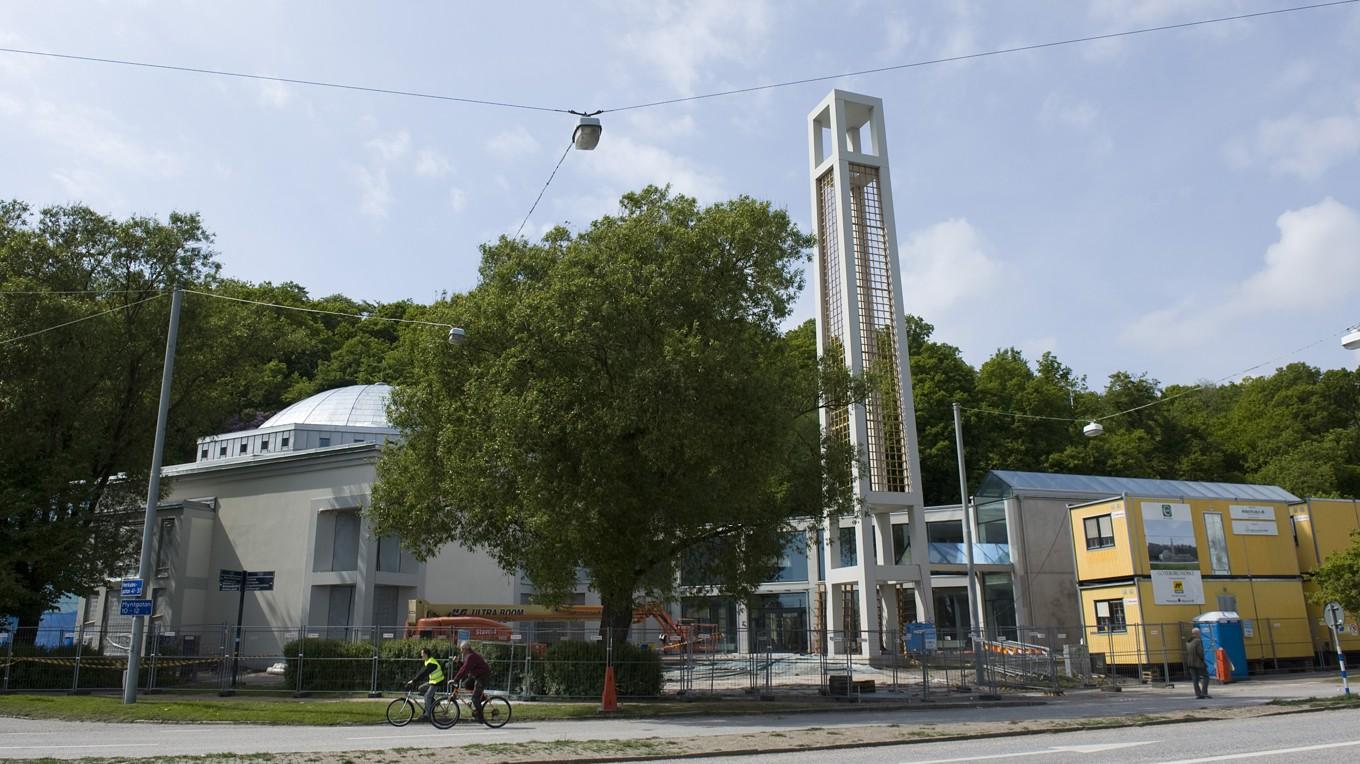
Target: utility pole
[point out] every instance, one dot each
(153, 495)
(974, 625)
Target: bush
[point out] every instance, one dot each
(576, 669)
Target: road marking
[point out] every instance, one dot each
(1094, 748)
(405, 737)
(102, 745)
(1259, 754)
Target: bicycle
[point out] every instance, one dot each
(448, 711)
(401, 711)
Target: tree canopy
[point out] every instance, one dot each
(624, 399)
(1338, 578)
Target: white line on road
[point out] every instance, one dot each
(1259, 754)
(1094, 748)
(404, 737)
(51, 747)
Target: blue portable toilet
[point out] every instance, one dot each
(1223, 628)
(920, 638)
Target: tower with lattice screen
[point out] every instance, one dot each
(860, 319)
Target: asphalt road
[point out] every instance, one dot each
(22, 738)
(1324, 736)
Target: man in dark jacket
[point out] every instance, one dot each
(1194, 665)
(474, 673)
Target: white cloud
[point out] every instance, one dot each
(391, 147)
(432, 164)
(94, 134)
(1066, 111)
(1312, 268)
(1300, 146)
(1123, 15)
(898, 34)
(630, 165)
(457, 199)
(684, 41)
(375, 191)
(946, 265)
(275, 94)
(513, 143)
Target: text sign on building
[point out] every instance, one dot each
(1252, 520)
(132, 588)
(135, 607)
(247, 580)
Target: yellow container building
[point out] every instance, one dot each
(1147, 566)
(1323, 527)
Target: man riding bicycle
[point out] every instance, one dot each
(477, 674)
(430, 679)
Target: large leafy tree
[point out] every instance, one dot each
(624, 400)
(1338, 578)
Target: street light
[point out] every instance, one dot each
(1093, 429)
(588, 129)
(456, 335)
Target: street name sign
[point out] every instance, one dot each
(134, 607)
(133, 587)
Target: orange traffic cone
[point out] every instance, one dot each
(1223, 667)
(609, 702)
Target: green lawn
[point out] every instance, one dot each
(327, 712)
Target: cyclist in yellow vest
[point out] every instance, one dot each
(430, 679)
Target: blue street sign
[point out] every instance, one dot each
(132, 587)
(135, 607)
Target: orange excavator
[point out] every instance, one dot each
(489, 621)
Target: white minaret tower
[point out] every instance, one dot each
(860, 318)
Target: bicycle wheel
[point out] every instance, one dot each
(445, 712)
(400, 712)
(495, 712)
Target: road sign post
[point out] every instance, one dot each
(1335, 617)
(242, 581)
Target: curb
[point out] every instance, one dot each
(913, 741)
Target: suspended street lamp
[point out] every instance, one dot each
(587, 134)
(1093, 429)
(1351, 339)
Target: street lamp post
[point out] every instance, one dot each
(153, 495)
(974, 626)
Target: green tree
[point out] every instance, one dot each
(1338, 578)
(624, 400)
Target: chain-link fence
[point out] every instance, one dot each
(652, 663)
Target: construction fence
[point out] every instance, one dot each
(379, 660)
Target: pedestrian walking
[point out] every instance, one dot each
(1194, 664)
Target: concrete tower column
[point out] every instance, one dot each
(861, 320)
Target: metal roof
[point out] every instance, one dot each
(1009, 483)
(354, 406)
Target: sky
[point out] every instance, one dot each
(1184, 204)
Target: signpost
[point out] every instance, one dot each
(133, 588)
(242, 581)
(1336, 620)
(134, 607)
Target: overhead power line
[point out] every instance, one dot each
(285, 80)
(682, 99)
(301, 309)
(543, 190)
(1159, 401)
(9, 340)
(983, 54)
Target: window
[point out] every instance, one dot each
(345, 547)
(848, 547)
(1099, 532)
(166, 546)
(264, 444)
(1110, 615)
(389, 557)
(244, 447)
(283, 443)
(324, 442)
(222, 451)
(203, 454)
(901, 544)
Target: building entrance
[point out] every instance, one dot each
(779, 623)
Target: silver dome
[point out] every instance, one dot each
(355, 406)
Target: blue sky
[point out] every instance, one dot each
(1185, 204)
